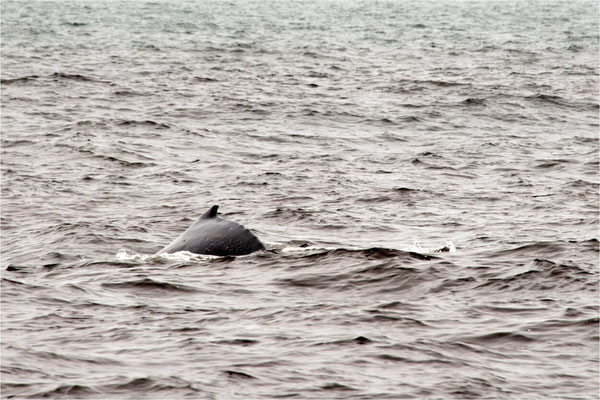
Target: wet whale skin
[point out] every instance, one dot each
(212, 235)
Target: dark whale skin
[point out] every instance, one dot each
(215, 236)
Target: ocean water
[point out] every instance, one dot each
(425, 176)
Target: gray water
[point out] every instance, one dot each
(357, 140)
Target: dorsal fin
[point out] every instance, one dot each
(212, 213)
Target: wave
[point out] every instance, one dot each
(56, 76)
(334, 386)
(407, 360)
(554, 324)
(373, 253)
(16, 143)
(544, 249)
(495, 338)
(535, 248)
(144, 386)
(75, 359)
(389, 274)
(147, 384)
(435, 82)
(204, 79)
(23, 79)
(237, 342)
(71, 390)
(473, 101)
(555, 100)
(544, 275)
(72, 77)
(145, 123)
(361, 340)
(19, 284)
(238, 374)
(148, 284)
(74, 24)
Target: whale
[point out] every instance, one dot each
(212, 235)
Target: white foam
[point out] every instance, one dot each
(181, 256)
(417, 248)
(298, 249)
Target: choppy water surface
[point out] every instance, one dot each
(354, 139)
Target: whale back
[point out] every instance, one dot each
(212, 235)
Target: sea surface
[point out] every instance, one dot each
(425, 176)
